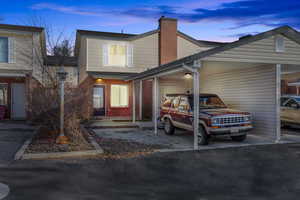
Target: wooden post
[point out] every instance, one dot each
(133, 103)
(196, 92)
(278, 96)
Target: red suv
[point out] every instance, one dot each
(214, 117)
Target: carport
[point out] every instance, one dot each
(246, 74)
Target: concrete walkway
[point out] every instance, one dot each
(12, 137)
(183, 140)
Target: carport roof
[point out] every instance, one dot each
(287, 31)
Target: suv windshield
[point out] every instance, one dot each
(209, 102)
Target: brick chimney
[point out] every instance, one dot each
(167, 40)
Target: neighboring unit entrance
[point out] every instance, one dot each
(98, 100)
(18, 101)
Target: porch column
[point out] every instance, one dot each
(155, 110)
(278, 96)
(141, 100)
(196, 92)
(133, 103)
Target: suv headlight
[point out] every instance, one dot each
(247, 118)
(214, 121)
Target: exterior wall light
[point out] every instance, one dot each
(188, 75)
(99, 80)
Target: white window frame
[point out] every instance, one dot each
(8, 49)
(279, 44)
(125, 106)
(128, 54)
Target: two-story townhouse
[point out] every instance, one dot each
(22, 49)
(105, 59)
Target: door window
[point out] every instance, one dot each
(98, 98)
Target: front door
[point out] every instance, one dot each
(18, 101)
(99, 100)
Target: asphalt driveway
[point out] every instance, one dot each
(12, 137)
(256, 172)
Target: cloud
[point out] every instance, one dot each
(242, 13)
(65, 9)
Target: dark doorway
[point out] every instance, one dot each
(99, 100)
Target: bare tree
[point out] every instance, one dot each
(45, 98)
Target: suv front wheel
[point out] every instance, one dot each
(168, 127)
(202, 136)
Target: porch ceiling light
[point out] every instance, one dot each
(188, 75)
(99, 80)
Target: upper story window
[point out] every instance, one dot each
(279, 44)
(3, 50)
(119, 55)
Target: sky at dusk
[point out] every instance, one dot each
(220, 20)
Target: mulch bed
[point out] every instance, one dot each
(45, 142)
(120, 148)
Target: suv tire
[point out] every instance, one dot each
(239, 138)
(202, 136)
(168, 127)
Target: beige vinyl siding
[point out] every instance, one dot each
(186, 47)
(27, 55)
(145, 54)
(252, 90)
(173, 86)
(23, 50)
(262, 51)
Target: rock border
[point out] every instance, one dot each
(21, 155)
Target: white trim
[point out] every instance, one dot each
(141, 100)
(196, 87)
(87, 54)
(11, 75)
(133, 103)
(155, 96)
(294, 84)
(278, 96)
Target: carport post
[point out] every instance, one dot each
(141, 99)
(155, 104)
(278, 96)
(133, 102)
(196, 108)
